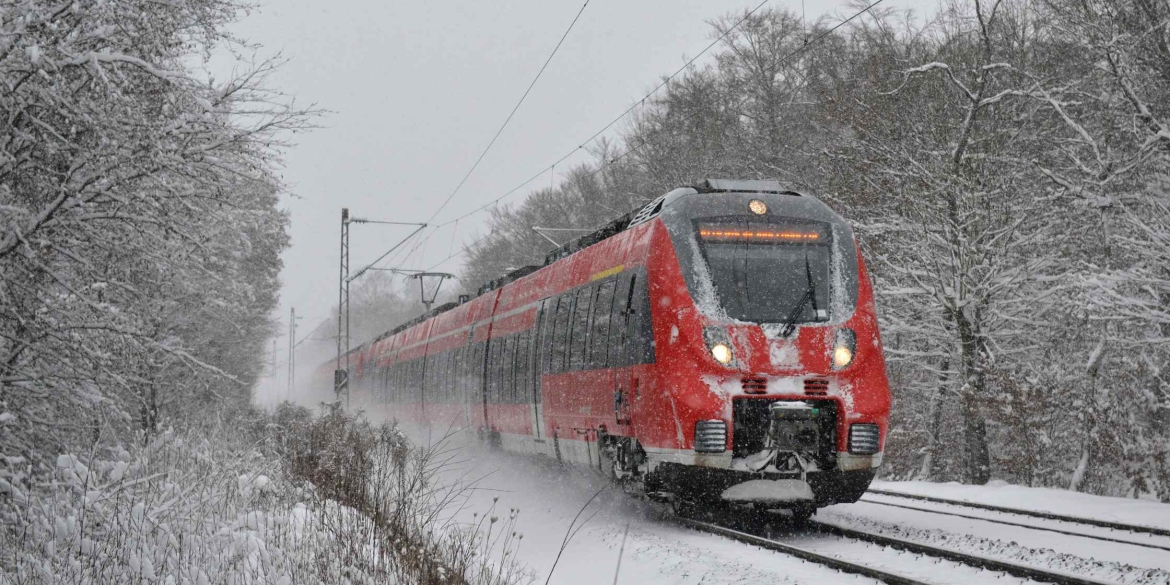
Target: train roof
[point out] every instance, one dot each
(810, 205)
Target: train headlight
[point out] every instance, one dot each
(719, 344)
(844, 346)
(722, 353)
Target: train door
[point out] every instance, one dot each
(624, 351)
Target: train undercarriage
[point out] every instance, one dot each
(784, 455)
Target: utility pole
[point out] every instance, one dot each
(292, 340)
(341, 373)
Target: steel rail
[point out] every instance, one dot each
(1035, 514)
(1029, 526)
(973, 560)
(800, 553)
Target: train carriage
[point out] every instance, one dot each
(721, 343)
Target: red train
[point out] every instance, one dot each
(719, 343)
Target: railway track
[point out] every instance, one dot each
(752, 535)
(1017, 524)
(1031, 513)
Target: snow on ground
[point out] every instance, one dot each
(1126, 511)
(550, 499)
(656, 550)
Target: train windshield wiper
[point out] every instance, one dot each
(810, 294)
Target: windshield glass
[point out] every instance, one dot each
(760, 272)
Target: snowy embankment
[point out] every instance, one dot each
(266, 500)
(179, 510)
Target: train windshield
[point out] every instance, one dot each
(767, 273)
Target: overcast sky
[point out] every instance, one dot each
(417, 89)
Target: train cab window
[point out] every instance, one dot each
(560, 345)
(602, 311)
(580, 329)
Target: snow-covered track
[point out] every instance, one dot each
(1019, 524)
(1032, 513)
(747, 533)
(979, 561)
(800, 553)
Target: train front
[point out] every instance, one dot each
(770, 368)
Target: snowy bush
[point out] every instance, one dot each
(220, 507)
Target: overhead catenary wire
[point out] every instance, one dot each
(804, 47)
(784, 60)
(511, 114)
(582, 144)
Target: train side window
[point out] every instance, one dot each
(560, 347)
(449, 376)
(539, 334)
(408, 381)
(493, 368)
(422, 377)
(433, 389)
(394, 381)
(475, 374)
(444, 362)
(507, 375)
(617, 331)
(523, 358)
(404, 377)
(430, 368)
(599, 344)
(456, 362)
(580, 330)
(641, 331)
(449, 372)
(547, 350)
(420, 372)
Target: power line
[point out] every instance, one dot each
(510, 115)
(490, 143)
(637, 148)
(784, 59)
(546, 169)
(460, 252)
(581, 145)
